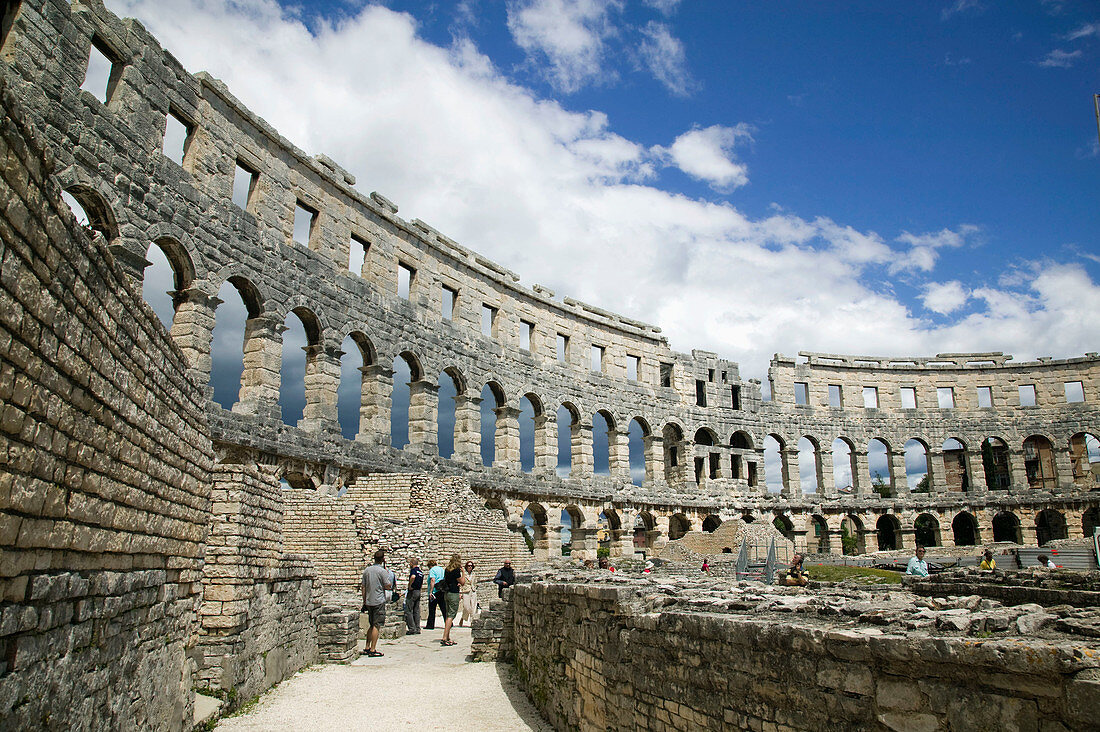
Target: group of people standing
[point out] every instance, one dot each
(451, 589)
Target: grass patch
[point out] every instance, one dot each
(866, 575)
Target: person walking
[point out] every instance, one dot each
(435, 587)
(376, 582)
(452, 582)
(467, 594)
(412, 597)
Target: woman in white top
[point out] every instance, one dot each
(468, 594)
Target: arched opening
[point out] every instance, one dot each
(821, 534)
(844, 465)
(917, 475)
(406, 370)
(170, 271)
(239, 303)
(636, 447)
(964, 529)
(1090, 520)
(888, 529)
(1084, 455)
(1049, 525)
(784, 526)
(530, 408)
(451, 386)
(809, 464)
(706, 464)
(711, 522)
(926, 530)
(775, 470)
(644, 530)
(1006, 527)
(602, 423)
(851, 535)
(609, 527)
(358, 353)
(741, 443)
(678, 525)
(1039, 463)
(878, 468)
(995, 463)
(673, 441)
(956, 477)
(571, 523)
(301, 336)
(534, 529)
(492, 399)
(568, 429)
(91, 211)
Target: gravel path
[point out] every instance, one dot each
(417, 685)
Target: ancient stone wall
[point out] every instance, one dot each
(104, 472)
(668, 656)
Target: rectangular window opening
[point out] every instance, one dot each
(597, 358)
(357, 254)
(304, 219)
(715, 461)
(735, 466)
(177, 137)
(735, 393)
(985, 397)
(103, 72)
(945, 395)
(710, 375)
(633, 365)
(488, 320)
(406, 276)
(870, 397)
(447, 305)
(563, 347)
(1075, 392)
(908, 397)
(835, 396)
(526, 333)
(700, 393)
(1027, 395)
(723, 377)
(801, 392)
(752, 474)
(244, 185)
(666, 374)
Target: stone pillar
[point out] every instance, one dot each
(1017, 470)
(468, 429)
(1027, 530)
(263, 359)
(584, 542)
(977, 476)
(658, 535)
(654, 460)
(899, 482)
(375, 401)
(423, 417)
(618, 454)
(1063, 468)
(686, 473)
(322, 381)
(907, 539)
(546, 445)
(826, 481)
(861, 473)
(937, 473)
(193, 328)
(622, 538)
(581, 450)
(792, 484)
(553, 535)
(833, 539)
(507, 439)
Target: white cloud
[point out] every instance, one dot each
(944, 297)
(1059, 59)
(664, 55)
(706, 154)
(961, 6)
(1089, 29)
(568, 36)
(667, 7)
(560, 198)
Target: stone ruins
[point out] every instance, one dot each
(155, 543)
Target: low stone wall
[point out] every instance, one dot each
(642, 655)
(1039, 586)
(338, 634)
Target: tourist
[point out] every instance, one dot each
(452, 583)
(376, 580)
(605, 563)
(412, 597)
(796, 573)
(435, 592)
(505, 577)
(706, 566)
(589, 564)
(468, 594)
(1045, 562)
(917, 567)
(988, 562)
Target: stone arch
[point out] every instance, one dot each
(531, 420)
(1049, 525)
(809, 464)
(453, 416)
(706, 464)
(705, 436)
(1006, 527)
(784, 525)
(570, 461)
(956, 476)
(844, 465)
(602, 441)
(407, 371)
(880, 469)
(711, 523)
(673, 440)
(299, 392)
(574, 516)
(853, 538)
(995, 463)
(493, 400)
(926, 530)
(1084, 456)
(820, 528)
(534, 522)
(644, 530)
(741, 440)
(1039, 463)
(638, 436)
(357, 388)
(964, 529)
(1090, 520)
(94, 198)
(166, 277)
(678, 525)
(241, 341)
(775, 464)
(918, 472)
(889, 532)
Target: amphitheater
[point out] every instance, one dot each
(155, 542)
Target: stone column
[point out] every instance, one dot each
(553, 534)
(618, 454)
(792, 484)
(322, 381)
(375, 401)
(1027, 530)
(193, 328)
(584, 542)
(826, 481)
(907, 539)
(546, 445)
(861, 473)
(658, 535)
(1063, 468)
(468, 429)
(899, 482)
(833, 539)
(507, 439)
(263, 359)
(622, 539)
(1017, 470)
(977, 477)
(654, 460)
(423, 417)
(687, 463)
(581, 450)
(937, 473)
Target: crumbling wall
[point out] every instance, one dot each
(104, 473)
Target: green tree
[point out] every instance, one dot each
(880, 486)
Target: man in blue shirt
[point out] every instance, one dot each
(917, 566)
(435, 596)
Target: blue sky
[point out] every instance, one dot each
(863, 177)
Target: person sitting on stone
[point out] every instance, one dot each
(505, 577)
(1045, 563)
(988, 562)
(796, 573)
(917, 567)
